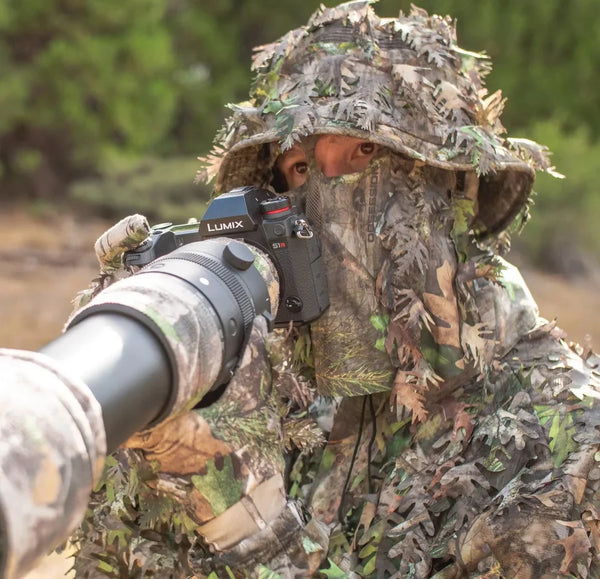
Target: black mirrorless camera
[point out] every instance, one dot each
(270, 223)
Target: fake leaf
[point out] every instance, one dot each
(448, 97)
(503, 425)
(366, 518)
(402, 340)
(444, 307)
(412, 310)
(333, 571)
(380, 322)
(476, 345)
(266, 573)
(561, 438)
(406, 392)
(457, 412)
(576, 545)
(481, 145)
(155, 509)
(489, 111)
(462, 480)
(414, 561)
(409, 75)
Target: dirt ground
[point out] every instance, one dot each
(44, 261)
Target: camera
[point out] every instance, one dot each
(273, 225)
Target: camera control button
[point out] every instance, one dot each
(275, 206)
(293, 304)
(238, 255)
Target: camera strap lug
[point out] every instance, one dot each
(302, 229)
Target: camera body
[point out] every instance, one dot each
(271, 224)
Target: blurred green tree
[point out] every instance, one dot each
(81, 80)
(213, 43)
(546, 54)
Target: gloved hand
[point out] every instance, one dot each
(125, 235)
(225, 462)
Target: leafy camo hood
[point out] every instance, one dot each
(403, 83)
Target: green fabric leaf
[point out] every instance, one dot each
(561, 435)
(380, 322)
(219, 486)
(333, 572)
(266, 573)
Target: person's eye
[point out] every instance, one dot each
(367, 148)
(300, 168)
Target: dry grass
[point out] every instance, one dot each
(43, 263)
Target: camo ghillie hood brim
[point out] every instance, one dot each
(401, 82)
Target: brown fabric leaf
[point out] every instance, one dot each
(403, 341)
(413, 311)
(405, 393)
(576, 545)
(456, 411)
(182, 445)
(591, 518)
(488, 110)
(444, 308)
(366, 518)
(476, 344)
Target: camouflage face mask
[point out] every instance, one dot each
(386, 236)
(405, 277)
(345, 212)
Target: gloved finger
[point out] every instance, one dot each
(125, 235)
(251, 383)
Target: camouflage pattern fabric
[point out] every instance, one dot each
(460, 428)
(475, 448)
(52, 449)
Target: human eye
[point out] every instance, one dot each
(366, 149)
(293, 167)
(300, 168)
(361, 155)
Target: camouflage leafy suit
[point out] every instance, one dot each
(430, 423)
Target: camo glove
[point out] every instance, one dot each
(125, 235)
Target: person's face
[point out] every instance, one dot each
(335, 155)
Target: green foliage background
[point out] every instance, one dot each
(107, 103)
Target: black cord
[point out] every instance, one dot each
(356, 445)
(371, 442)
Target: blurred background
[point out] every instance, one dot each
(106, 104)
